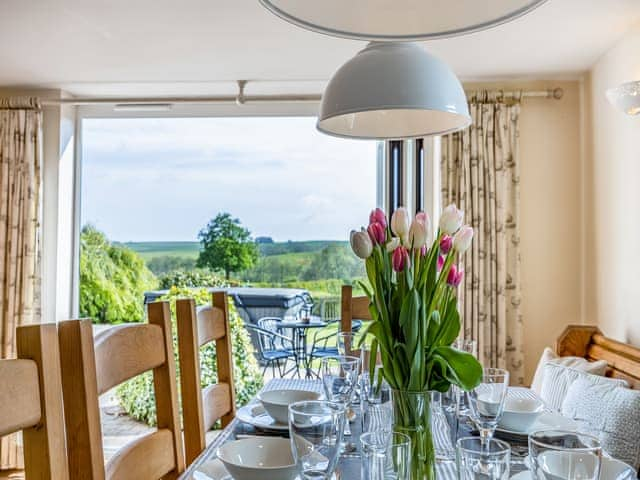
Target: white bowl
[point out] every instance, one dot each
(267, 458)
(276, 402)
(557, 464)
(520, 414)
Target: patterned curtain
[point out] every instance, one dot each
(20, 155)
(480, 173)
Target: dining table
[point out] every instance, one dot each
(208, 467)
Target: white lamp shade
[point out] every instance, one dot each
(626, 97)
(386, 20)
(393, 90)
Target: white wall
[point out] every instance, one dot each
(613, 195)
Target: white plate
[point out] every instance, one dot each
(546, 421)
(612, 469)
(255, 414)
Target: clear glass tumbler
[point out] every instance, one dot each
(482, 461)
(386, 455)
(562, 455)
(316, 429)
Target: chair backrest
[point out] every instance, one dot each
(92, 367)
(589, 342)
(201, 409)
(353, 308)
(31, 401)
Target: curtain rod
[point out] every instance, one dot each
(165, 103)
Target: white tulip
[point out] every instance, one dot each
(361, 244)
(417, 234)
(400, 223)
(462, 239)
(451, 220)
(393, 244)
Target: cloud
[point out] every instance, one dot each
(163, 179)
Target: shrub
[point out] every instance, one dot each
(191, 278)
(113, 279)
(137, 397)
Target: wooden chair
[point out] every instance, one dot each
(91, 368)
(201, 409)
(31, 401)
(352, 307)
(590, 343)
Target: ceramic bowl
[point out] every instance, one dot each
(267, 458)
(276, 402)
(520, 414)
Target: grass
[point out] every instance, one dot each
(148, 250)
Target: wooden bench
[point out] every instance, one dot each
(590, 343)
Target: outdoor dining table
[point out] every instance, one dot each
(300, 329)
(208, 467)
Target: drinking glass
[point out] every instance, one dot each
(348, 343)
(460, 404)
(339, 377)
(466, 345)
(316, 430)
(486, 401)
(386, 455)
(562, 455)
(477, 460)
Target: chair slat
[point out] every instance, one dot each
(19, 395)
(200, 410)
(125, 351)
(144, 458)
(352, 308)
(211, 324)
(45, 453)
(216, 400)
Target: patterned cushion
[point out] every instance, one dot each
(596, 368)
(557, 379)
(611, 413)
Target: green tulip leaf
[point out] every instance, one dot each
(463, 369)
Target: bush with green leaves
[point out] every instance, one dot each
(191, 278)
(137, 396)
(113, 279)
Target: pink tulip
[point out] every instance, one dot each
(400, 258)
(377, 232)
(423, 251)
(455, 276)
(445, 244)
(417, 233)
(440, 262)
(378, 216)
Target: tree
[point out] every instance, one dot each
(113, 279)
(226, 245)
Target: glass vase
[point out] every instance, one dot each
(412, 416)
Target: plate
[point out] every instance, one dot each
(255, 414)
(546, 421)
(611, 469)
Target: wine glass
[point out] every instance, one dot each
(486, 401)
(316, 429)
(339, 378)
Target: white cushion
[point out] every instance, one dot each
(557, 379)
(611, 413)
(598, 367)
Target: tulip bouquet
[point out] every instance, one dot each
(415, 315)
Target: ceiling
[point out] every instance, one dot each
(170, 47)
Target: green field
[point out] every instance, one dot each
(148, 250)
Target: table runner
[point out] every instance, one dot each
(348, 467)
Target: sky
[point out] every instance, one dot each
(164, 179)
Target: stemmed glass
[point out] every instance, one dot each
(486, 401)
(316, 429)
(562, 455)
(339, 378)
(478, 460)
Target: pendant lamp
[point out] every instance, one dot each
(626, 97)
(393, 90)
(403, 20)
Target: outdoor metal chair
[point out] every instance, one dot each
(273, 349)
